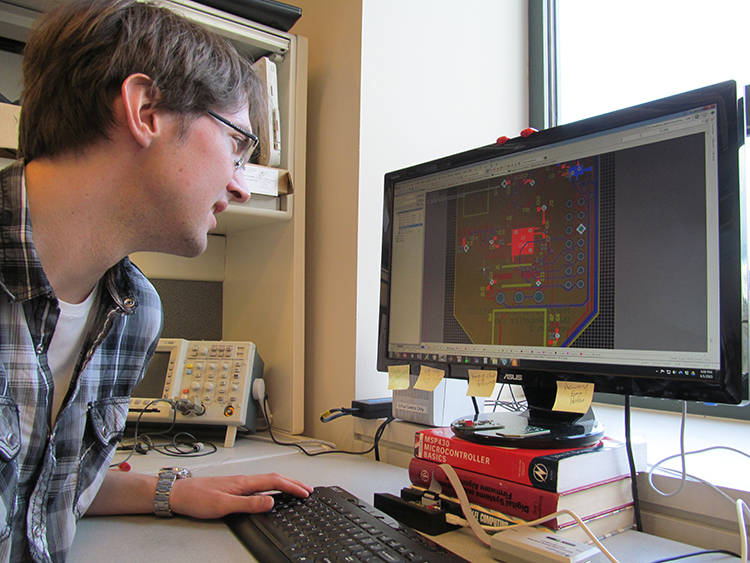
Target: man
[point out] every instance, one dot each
(134, 131)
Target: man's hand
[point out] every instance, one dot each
(214, 497)
(200, 497)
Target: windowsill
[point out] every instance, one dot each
(661, 431)
(697, 515)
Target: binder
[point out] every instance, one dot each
(267, 12)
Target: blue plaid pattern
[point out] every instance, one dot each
(50, 471)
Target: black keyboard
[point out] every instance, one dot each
(332, 526)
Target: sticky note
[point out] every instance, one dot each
(573, 396)
(429, 378)
(481, 383)
(398, 377)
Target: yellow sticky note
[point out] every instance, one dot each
(429, 378)
(573, 396)
(398, 377)
(481, 383)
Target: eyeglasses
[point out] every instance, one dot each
(245, 146)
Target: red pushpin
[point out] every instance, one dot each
(528, 132)
(502, 140)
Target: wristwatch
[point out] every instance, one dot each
(167, 477)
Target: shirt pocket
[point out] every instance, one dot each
(10, 445)
(105, 425)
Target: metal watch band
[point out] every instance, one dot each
(167, 477)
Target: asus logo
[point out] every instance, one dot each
(513, 377)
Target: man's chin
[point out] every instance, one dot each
(190, 248)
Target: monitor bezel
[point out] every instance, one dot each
(732, 386)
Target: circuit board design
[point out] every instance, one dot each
(526, 256)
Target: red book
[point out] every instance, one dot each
(550, 470)
(523, 501)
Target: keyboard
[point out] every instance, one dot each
(332, 526)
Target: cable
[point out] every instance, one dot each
(681, 455)
(696, 554)
(514, 405)
(378, 435)
(135, 431)
(333, 414)
(484, 537)
(633, 472)
(173, 448)
(302, 442)
(740, 505)
(476, 406)
(680, 472)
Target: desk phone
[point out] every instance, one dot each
(211, 380)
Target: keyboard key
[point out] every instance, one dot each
(333, 526)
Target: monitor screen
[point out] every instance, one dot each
(608, 251)
(152, 384)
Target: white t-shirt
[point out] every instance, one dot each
(66, 345)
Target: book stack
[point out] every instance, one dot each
(508, 485)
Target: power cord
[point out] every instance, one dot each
(633, 471)
(333, 414)
(338, 413)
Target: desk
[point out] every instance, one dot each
(145, 538)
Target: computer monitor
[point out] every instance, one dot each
(610, 251)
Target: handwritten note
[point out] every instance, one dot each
(429, 378)
(398, 377)
(481, 383)
(573, 396)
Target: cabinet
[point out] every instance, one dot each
(258, 249)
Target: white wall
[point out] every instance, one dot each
(390, 83)
(437, 78)
(333, 31)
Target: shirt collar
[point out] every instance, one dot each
(21, 272)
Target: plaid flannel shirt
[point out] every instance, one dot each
(50, 471)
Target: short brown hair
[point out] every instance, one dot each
(79, 54)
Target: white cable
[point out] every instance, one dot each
(693, 477)
(681, 455)
(484, 537)
(740, 505)
(741, 509)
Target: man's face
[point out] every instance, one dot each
(195, 179)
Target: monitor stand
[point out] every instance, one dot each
(539, 427)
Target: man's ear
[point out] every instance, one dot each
(138, 97)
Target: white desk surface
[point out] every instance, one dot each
(146, 538)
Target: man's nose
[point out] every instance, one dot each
(237, 188)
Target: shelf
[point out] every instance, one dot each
(242, 217)
(262, 270)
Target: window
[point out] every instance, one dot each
(588, 57)
(610, 57)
